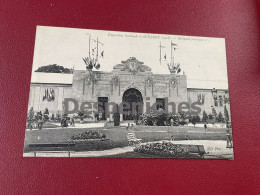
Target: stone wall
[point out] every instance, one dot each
(208, 102)
(86, 88)
(37, 91)
(159, 86)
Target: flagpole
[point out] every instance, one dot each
(89, 47)
(171, 50)
(160, 54)
(97, 49)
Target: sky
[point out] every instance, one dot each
(202, 59)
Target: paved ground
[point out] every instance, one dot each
(122, 124)
(214, 150)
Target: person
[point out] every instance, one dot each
(40, 124)
(172, 121)
(72, 122)
(205, 126)
(229, 139)
(62, 122)
(133, 127)
(65, 122)
(30, 125)
(96, 117)
(127, 128)
(186, 137)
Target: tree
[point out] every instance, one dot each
(116, 116)
(81, 115)
(183, 118)
(54, 68)
(52, 117)
(220, 118)
(226, 114)
(214, 113)
(46, 114)
(210, 116)
(205, 116)
(195, 119)
(30, 114)
(30, 118)
(58, 116)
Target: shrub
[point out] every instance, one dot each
(89, 135)
(38, 116)
(30, 115)
(214, 113)
(220, 118)
(195, 119)
(81, 115)
(165, 149)
(183, 118)
(205, 116)
(52, 117)
(159, 119)
(58, 117)
(148, 118)
(182, 122)
(46, 114)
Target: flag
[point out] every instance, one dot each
(102, 54)
(165, 56)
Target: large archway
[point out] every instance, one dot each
(134, 98)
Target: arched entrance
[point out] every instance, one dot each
(134, 98)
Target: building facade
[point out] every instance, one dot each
(130, 81)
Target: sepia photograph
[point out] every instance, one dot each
(112, 94)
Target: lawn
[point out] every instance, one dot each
(117, 136)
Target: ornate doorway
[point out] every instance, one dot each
(134, 98)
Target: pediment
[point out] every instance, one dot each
(132, 65)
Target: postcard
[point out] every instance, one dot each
(111, 94)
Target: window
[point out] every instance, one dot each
(220, 100)
(160, 103)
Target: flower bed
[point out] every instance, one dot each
(166, 149)
(89, 135)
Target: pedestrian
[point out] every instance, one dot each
(40, 124)
(172, 121)
(127, 128)
(205, 126)
(65, 122)
(62, 122)
(96, 117)
(229, 139)
(72, 122)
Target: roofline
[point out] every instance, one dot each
(205, 89)
(53, 84)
